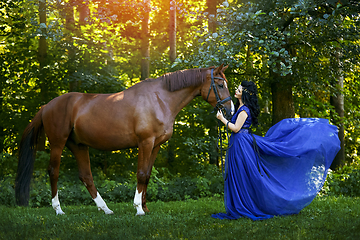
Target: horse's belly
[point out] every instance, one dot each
(104, 139)
(113, 143)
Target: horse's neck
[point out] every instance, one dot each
(181, 98)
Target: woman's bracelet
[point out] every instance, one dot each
(227, 124)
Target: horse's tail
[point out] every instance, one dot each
(27, 151)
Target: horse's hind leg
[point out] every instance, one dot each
(53, 169)
(81, 153)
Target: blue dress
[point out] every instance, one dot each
(295, 155)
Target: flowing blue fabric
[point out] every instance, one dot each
(294, 159)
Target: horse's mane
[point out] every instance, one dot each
(180, 79)
(184, 78)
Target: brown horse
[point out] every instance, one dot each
(141, 116)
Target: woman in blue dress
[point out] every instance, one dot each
(278, 174)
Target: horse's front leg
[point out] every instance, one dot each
(147, 156)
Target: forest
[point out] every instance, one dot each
(302, 54)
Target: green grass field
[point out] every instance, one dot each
(324, 218)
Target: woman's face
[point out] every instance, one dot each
(238, 92)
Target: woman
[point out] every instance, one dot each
(278, 174)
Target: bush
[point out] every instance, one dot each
(344, 182)
(162, 186)
(7, 192)
(8, 164)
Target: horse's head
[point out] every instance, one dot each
(216, 92)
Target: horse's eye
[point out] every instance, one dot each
(221, 85)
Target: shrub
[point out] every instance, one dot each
(345, 181)
(8, 164)
(162, 186)
(7, 192)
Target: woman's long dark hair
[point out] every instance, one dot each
(249, 98)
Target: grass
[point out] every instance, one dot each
(324, 218)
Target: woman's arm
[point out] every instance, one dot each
(239, 121)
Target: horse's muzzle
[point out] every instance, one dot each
(227, 112)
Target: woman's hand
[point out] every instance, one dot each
(219, 115)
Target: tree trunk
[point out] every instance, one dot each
(172, 57)
(282, 99)
(337, 101)
(84, 13)
(70, 27)
(281, 91)
(42, 50)
(211, 9)
(249, 64)
(213, 153)
(145, 44)
(213, 133)
(172, 30)
(2, 85)
(171, 153)
(42, 57)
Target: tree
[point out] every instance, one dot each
(337, 100)
(42, 58)
(84, 14)
(70, 30)
(145, 41)
(212, 24)
(19, 67)
(172, 57)
(172, 30)
(290, 44)
(42, 50)
(2, 81)
(293, 40)
(211, 10)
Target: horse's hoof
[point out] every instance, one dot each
(106, 210)
(140, 212)
(109, 212)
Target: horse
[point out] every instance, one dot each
(141, 116)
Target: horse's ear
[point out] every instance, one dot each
(223, 70)
(218, 69)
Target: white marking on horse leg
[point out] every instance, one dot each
(100, 203)
(138, 203)
(232, 108)
(56, 205)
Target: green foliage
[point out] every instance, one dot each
(8, 164)
(306, 45)
(324, 218)
(163, 186)
(344, 182)
(298, 40)
(191, 140)
(7, 192)
(201, 181)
